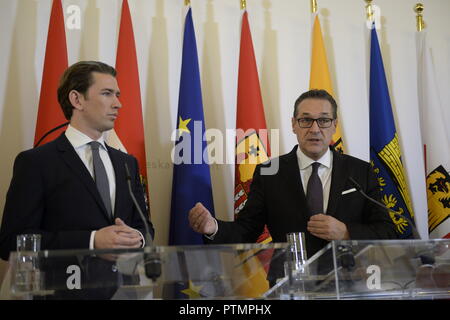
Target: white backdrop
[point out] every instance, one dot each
(281, 38)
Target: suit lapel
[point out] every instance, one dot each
(338, 180)
(292, 176)
(74, 162)
(294, 185)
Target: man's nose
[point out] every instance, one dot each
(117, 103)
(315, 127)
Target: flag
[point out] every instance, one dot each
(320, 75)
(198, 273)
(252, 145)
(252, 148)
(50, 118)
(385, 153)
(128, 132)
(435, 141)
(191, 177)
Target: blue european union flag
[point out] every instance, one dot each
(191, 176)
(385, 153)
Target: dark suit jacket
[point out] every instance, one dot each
(279, 201)
(52, 193)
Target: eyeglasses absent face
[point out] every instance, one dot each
(308, 122)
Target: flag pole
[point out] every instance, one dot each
(243, 5)
(187, 2)
(313, 6)
(418, 8)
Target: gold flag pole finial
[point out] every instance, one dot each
(369, 10)
(418, 8)
(187, 2)
(313, 6)
(243, 4)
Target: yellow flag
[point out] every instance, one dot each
(320, 74)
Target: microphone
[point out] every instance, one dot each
(152, 261)
(415, 233)
(346, 257)
(425, 257)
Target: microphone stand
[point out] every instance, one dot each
(152, 261)
(415, 233)
(424, 258)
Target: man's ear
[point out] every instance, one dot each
(293, 121)
(76, 99)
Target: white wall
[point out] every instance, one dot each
(281, 37)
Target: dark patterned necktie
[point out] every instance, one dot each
(314, 191)
(100, 176)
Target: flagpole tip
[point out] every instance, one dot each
(243, 4)
(313, 6)
(369, 10)
(420, 23)
(187, 2)
(418, 8)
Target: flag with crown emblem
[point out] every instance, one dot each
(252, 148)
(436, 144)
(385, 153)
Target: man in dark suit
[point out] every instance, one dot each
(333, 211)
(54, 189)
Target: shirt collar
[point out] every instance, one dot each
(78, 139)
(306, 161)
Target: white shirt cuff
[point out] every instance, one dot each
(211, 236)
(142, 237)
(91, 241)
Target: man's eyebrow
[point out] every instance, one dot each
(111, 90)
(322, 113)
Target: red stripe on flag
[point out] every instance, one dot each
(50, 114)
(250, 110)
(129, 126)
(250, 115)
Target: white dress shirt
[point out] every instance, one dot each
(305, 166)
(324, 172)
(80, 142)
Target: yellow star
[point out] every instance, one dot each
(182, 126)
(193, 291)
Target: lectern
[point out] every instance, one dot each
(358, 269)
(385, 269)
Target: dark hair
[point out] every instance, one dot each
(317, 94)
(79, 77)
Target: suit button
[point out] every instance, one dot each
(114, 268)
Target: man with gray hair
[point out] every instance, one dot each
(311, 192)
